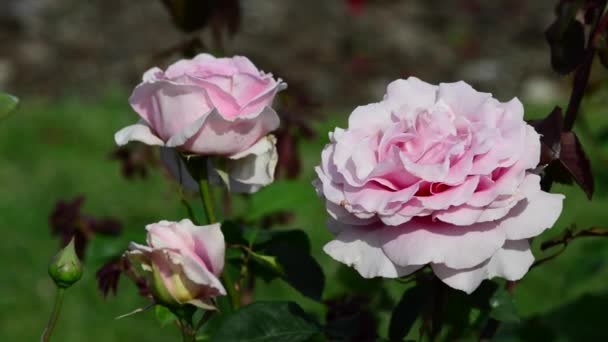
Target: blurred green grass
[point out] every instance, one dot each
(57, 149)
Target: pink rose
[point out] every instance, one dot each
(182, 261)
(207, 106)
(440, 175)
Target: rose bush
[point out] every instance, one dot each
(182, 262)
(440, 175)
(210, 106)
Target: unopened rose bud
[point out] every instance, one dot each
(182, 262)
(65, 268)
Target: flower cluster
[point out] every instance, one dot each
(218, 110)
(431, 175)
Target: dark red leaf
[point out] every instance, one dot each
(67, 221)
(109, 275)
(135, 160)
(550, 129)
(574, 159)
(566, 37)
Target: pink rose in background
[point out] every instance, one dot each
(438, 175)
(182, 261)
(206, 106)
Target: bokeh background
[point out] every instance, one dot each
(73, 64)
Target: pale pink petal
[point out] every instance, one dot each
(208, 244)
(224, 102)
(411, 93)
(454, 196)
(369, 118)
(511, 262)
(152, 74)
(422, 241)
(532, 216)
(362, 250)
(219, 136)
(461, 97)
(167, 107)
(138, 132)
(250, 170)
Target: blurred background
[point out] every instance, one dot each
(73, 64)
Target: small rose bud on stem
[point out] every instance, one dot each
(65, 269)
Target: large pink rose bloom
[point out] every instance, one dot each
(182, 261)
(438, 175)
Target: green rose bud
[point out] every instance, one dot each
(65, 268)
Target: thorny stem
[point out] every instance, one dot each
(46, 335)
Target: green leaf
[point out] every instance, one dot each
(267, 322)
(502, 307)
(406, 312)
(8, 103)
(294, 238)
(301, 270)
(269, 261)
(164, 316)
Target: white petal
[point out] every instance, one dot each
(422, 241)
(370, 118)
(361, 249)
(532, 216)
(253, 168)
(411, 93)
(511, 262)
(138, 132)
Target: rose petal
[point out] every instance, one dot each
(251, 169)
(461, 97)
(511, 262)
(168, 107)
(533, 215)
(422, 241)
(371, 117)
(411, 93)
(362, 250)
(138, 132)
(220, 136)
(208, 244)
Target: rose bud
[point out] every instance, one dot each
(209, 106)
(182, 262)
(440, 176)
(65, 268)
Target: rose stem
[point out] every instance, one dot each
(46, 335)
(207, 200)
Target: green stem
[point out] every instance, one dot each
(208, 205)
(203, 186)
(188, 334)
(46, 335)
(189, 211)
